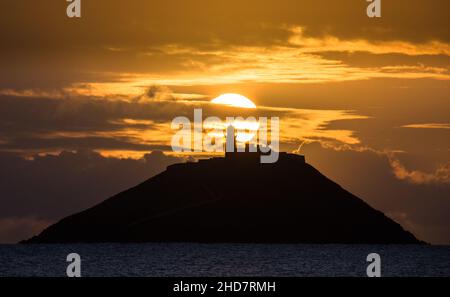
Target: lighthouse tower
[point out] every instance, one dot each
(231, 147)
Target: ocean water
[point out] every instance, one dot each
(221, 260)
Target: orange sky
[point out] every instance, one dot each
(345, 87)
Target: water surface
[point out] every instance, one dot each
(187, 259)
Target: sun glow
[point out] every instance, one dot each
(246, 130)
(234, 100)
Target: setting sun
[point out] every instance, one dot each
(246, 129)
(234, 100)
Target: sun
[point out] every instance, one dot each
(246, 130)
(234, 100)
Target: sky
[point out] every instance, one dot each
(86, 104)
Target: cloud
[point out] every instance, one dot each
(293, 63)
(427, 126)
(30, 125)
(48, 124)
(40, 190)
(272, 42)
(331, 43)
(248, 22)
(46, 188)
(53, 94)
(296, 58)
(420, 207)
(13, 230)
(158, 93)
(440, 176)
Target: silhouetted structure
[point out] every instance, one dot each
(284, 202)
(250, 152)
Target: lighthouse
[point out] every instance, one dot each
(231, 146)
(233, 152)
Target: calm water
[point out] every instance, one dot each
(180, 259)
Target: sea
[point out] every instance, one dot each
(223, 260)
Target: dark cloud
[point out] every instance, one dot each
(47, 188)
(15, 229)
(141, 23)
(423, 208)
(45, 123)
(47, 49)
(367, 60)
(73, 143)
(79, 122)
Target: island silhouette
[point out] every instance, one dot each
(235, 199)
